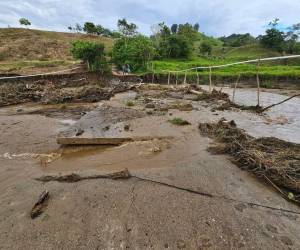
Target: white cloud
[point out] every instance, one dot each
(216, 17)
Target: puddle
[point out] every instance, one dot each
(134, 155)
(282, 121)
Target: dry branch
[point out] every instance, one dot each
(276, 104)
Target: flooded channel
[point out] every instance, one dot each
(282, 121)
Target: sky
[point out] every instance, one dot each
(216, 17)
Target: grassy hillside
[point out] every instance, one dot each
(252, 51)
(27, 50)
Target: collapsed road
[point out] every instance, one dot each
(181, 195)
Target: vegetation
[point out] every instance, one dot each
(281, 41)
(135, 51)
(179, 122)
(237, 40)
(91, 53)
(24, 21)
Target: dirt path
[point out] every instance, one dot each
(135, 214)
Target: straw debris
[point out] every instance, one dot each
(274, 160)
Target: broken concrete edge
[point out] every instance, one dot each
(106, 141)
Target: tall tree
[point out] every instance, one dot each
(196, 27)
(127, 29)
(174, 28)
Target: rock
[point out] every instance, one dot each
(150, 106)
(19, 110)
(126, 127)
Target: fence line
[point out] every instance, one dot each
(258, 61)
(236, 63)
(50, 73)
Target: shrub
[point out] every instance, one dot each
(91, 53)
(135, 51)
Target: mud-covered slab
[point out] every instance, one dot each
(98, 123)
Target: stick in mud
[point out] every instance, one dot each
(40, 205)
(276, 104)
(235, 86)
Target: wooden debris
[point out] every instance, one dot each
(91, 141)
(105, 141)
(71, 178)
(40, 205)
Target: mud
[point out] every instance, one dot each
(133, 214)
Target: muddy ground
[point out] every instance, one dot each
(229, 208)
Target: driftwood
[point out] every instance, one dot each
(105, 141)
(71, 178)
(276, 104)
(40, 205)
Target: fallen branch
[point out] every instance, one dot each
(127, 175)
(273, 105)
(76, 178)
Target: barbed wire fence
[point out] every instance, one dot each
(210, 74)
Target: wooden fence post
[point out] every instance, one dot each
(152, 73)
(198, 80)
(184, 82)
(169, 78)
(235, 86)
(258, 83)
(176, 78)
(210, 81)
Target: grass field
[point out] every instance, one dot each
(267, 70)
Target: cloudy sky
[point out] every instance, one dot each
(216, 17)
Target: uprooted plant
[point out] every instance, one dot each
(276, 161)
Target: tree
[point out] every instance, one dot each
(78, 28)
(90, 28)
(273, 39)
(174, 28)
(188, 31)
(205, 48)
(127, 29)
(136, 51)
(196, 27)
(24, 21)
(70, 28)
(91, 53)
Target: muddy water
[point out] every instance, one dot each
(282, 121)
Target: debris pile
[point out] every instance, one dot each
(276, 161)
(50, 92)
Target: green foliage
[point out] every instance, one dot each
(179, 122)
(90, 28)
(24, 21)
(129, 103)
(205, 48)
(273, 39)
(91, 53)
(127, 29)
(187, 30)
(136, 51)
(237, 40)
(174, 28)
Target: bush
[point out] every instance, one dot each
(91, 53)
(135, 51)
